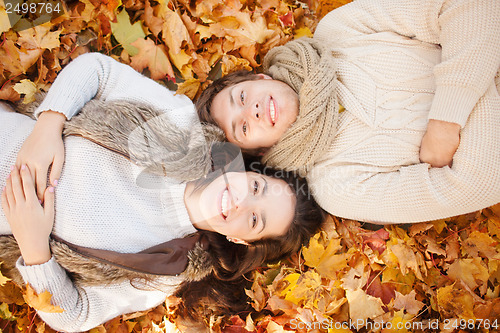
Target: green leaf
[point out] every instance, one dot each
(126, 33)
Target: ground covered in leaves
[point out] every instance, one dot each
(441, 276)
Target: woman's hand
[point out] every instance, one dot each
(30, 223)
(44, 147)
(440, 142)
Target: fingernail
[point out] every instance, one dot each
(51, 189)
(55, 182)
(40, 201)
(11, 167)
(23, 167)
(8, 176)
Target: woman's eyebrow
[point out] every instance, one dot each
(262, 213)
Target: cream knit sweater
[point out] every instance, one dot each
(400, 63)
(98, 201)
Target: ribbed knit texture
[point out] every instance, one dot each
(400, 63)
(99, 203)
(307, 67)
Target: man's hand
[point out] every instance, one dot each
(440, 142)
(30, 223)
(44, 147)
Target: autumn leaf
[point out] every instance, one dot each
(455, 302)
(27, 88)
(40, 302)
(408, 303)
(472, 271)
(126, 33)
(3, 279)
(4, 20)
(152, 56)
(363, 306)
(39, 37)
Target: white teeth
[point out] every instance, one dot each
(272, 111)
(224, 202)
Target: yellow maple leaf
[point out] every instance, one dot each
(153, 57)
(27, 88)
(453, 302)
(480, 243)
(302, 32)
(40, 302)
(189, 88)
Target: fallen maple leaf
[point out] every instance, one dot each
(408, 303)
(27, 88)
(40, 302)
(126, 33)
(3, 279)
(153, 57)
(363, 306)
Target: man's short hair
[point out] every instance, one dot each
(204, 102)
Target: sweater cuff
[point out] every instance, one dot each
(62, 103)
(46, 276)
(453, 104)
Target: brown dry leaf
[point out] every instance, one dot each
(174, 31)
(408, 303)
(256, 293)
(39, 37)
(40, 302)
(154, 57)
(472, 271)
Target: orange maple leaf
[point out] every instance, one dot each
(153, 57)
(40, 302)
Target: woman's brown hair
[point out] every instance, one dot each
(222, 292)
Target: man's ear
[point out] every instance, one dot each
(237, 241)
(264, 76)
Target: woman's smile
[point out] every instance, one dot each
(241, 205)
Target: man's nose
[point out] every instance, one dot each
(253, 112)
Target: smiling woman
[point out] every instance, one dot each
(117, 233)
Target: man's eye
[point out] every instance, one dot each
(244, 128)
(255, 187)
(242, 97)
(254, 220)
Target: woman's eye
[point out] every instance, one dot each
(244, 128)
(255, 187)
(242, 97)
(254, 220)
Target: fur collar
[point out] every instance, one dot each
(158, 145)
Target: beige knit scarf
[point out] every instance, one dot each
(310, 70)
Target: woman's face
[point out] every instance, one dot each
(255, 114)
(245, 206)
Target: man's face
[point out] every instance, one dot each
(255, 114)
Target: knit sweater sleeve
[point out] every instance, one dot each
(95, 75)
(416, 193)
(87, 307)
(468, 32)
